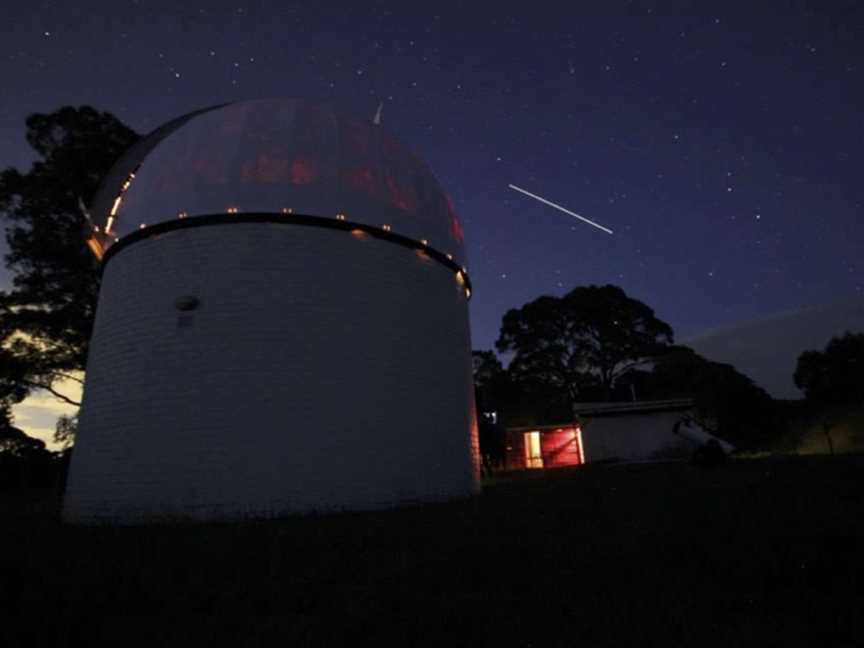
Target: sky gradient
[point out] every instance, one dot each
(722, 143)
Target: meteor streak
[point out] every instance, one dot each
(560, 208)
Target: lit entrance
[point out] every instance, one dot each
(533, 455)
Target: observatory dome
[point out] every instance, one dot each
(275, 156)
(282, 324)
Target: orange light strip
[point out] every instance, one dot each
(118, 201)
(96, 247)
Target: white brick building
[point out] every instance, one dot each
(279, 357)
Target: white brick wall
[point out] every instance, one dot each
(320, 371)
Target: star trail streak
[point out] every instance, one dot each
(560, 208)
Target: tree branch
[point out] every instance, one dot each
(68, 377)
(52, 391)
(617, 373)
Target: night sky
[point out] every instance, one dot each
(724, 146)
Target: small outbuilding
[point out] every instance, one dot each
(627, 432)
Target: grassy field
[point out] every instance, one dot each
(754, 553)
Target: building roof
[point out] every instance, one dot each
(632, 407)
(606, 409)
(276, 156)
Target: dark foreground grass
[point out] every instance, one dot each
(755, 553)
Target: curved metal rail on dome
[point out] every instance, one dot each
(290, 218)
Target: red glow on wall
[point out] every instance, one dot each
(560, 446)
(475, 441)
(303, 171)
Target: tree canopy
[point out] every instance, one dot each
(47, 316)
(16, 443)
(835, 374)
(489, 378)
(591, 336)
(727, 402)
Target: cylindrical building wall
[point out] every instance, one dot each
(259, 368)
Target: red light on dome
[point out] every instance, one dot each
(356, 137)
(266, 170)
(401, 196)
(212, 168)
(456, 229)
(303, 171)
(455, 226)
(236, 118)
(360, 179)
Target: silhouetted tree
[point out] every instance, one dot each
(727, 402)
(489, 379)
(491, 389)
(834, 375)
(14, 376)
(65, 431)
(24, 460)
(47, 316)
(15, 442)
(592, 336)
